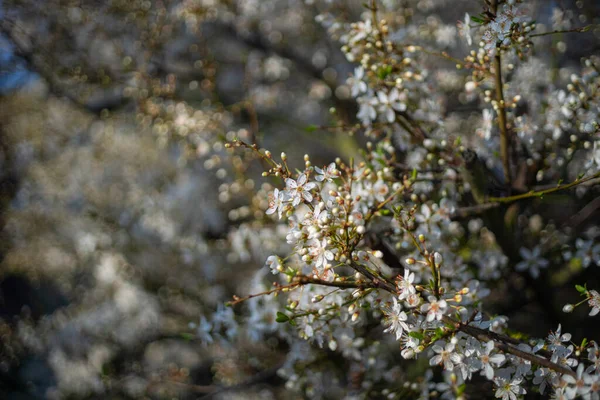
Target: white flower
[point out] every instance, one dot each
(299, 190)
(405, 285)
(487, 360)
(544, 377)
(509, 390)
(388, 102)
(465, 29)
(381, 190)
(594, 302)
(581, 383)
(587, 251)
(532, 261)
(363, 29)
(366, 111)
(487, 123)
(556, 339)
(327, 174)
(275, 202)
(594, 357)
(396, 319)
(204, 331)
(321, 254)
(445, 356)
(435, 309)
(274, 263)
(358, 86)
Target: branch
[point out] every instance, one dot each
(467, 212)
(541, 193)
(575, 30)
(507, 345)
(237, 300)
(304, 280)
(504, 134)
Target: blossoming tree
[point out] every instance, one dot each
(465, 190)
(413, 234)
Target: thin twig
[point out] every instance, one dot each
(541, 193)
(575, 30)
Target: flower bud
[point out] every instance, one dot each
(437, 259)
(317, 298)
(568, 308)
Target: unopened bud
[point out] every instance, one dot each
(568, 308)
(437, 259)
(410, 261)
(422, 238)
(317, 298)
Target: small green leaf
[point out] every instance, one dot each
(581, 289)
(187, 336)
(311, 128)
(413, 176)
(281, 317)
(477, 19)
(416, 335)
(384, 72)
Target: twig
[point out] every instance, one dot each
(500, 342)
(303, 280)
(575, 30)
(540, 193)
(466, 212)
(237, 300)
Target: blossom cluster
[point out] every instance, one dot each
(384, 239)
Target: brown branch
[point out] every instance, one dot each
(575, 30)
(237, 300)
(541, 193)
(467, 212)
(502, 123)
(507, 345)
(304, 280)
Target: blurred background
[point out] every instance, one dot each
(124, 220)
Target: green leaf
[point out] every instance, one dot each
(187, 336)
(281, 317)
(384, 72)
(413, 176)
(477, 20)
(416, 335)
(311, 128)
(581, 289)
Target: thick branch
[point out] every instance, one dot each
(502, 123)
